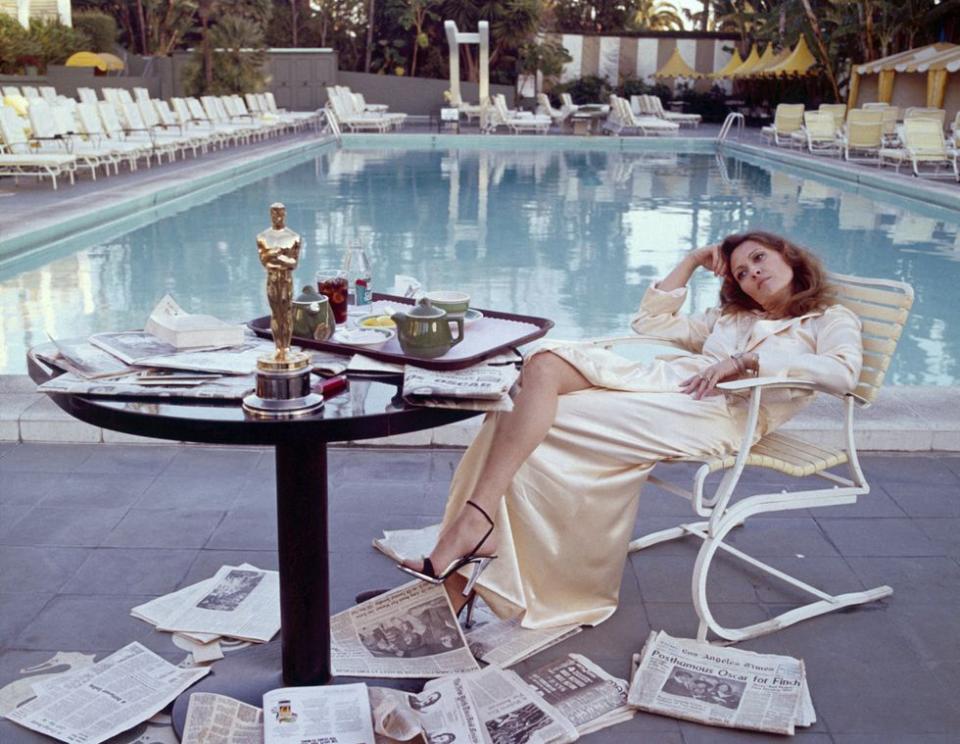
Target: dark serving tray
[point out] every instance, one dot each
(495, 333)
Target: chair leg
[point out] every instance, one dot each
(824, 604)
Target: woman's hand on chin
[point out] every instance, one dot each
(705, 384)
(710, 258)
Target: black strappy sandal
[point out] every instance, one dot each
(480, 562)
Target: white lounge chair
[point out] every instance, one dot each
(924, 147)
(516, 121)
(17, 159)
(863, 135)
(787, 119)
(91, 127)
(883, 307)
(654, 107)
(622, 120)
(54, 134)
(545, 108)
(820, 133)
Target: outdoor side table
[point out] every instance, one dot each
(367, 409)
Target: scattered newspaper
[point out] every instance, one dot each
(94, 703)
(511, 712)
(483, 387)
(590, 698)
(492, 706)
(241, 603)
(400, 545)
(218, 719)
(504, 642)
(236, 360)
(86, 360)
(483, 382)
(721, 686)
(132, 346)
(362, 364)
(410, 631)
(233, 387)
(445, 712)
(171, 323)
(328, 364)
(332, 714)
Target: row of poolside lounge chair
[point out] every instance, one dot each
(874, 134)
(47, 135)
(352, 112)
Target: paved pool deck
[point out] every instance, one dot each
(88, 532)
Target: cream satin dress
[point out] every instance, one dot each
(568, 516)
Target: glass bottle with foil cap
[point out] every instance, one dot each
(356, 264)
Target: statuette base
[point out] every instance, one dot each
(283, 392)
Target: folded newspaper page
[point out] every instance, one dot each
(241, 603)
(483, 382)
(221, 388)
(445, 712)
(719, 686)
(84, 359)
(96, 702)
(162, 610)
(332, 714)
(587, 695)
(505, 642)
(510, 711)
(235, 360)
(399, 545)
(410, 631)
(218, 719)
(132, 346)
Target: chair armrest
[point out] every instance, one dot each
(776, 383)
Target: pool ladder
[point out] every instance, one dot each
(332, 124)
(733, 116)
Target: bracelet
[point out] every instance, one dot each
(737, 358)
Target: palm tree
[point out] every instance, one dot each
(656, 15)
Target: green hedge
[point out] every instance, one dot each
(44, 43)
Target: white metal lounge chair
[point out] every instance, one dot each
(925, 148)
(656, 109)
(787, 119)
(864, 135)
(516, 121)
(545, 108)
(53, 133)
(91, 127)
(820, 133)
(883, 307)
(16, 158)
(622, 119)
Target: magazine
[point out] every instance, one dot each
(232, 387)
(84, 359)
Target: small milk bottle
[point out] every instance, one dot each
(357, 266)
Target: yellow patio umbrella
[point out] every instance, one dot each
(763, 70)
(764, 60)
(748, 64)
(732, 64)
(113, 61)
(87, 59)
(800, 61)
(676, 67)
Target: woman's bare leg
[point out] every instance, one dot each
(545, 378)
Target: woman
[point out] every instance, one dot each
(559, 475)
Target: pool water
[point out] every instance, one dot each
(575, 236)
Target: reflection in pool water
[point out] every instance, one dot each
(575, 236)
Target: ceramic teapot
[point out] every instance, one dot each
(424, 331)
(312, 315)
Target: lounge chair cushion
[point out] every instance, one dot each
(17, 103)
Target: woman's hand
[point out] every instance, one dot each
(705, 383)
(710, 258)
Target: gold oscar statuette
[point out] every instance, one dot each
(283, 377)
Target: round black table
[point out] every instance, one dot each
(366, 409)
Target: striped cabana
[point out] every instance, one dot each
(907, 64)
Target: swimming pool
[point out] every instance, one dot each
(574, 235)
